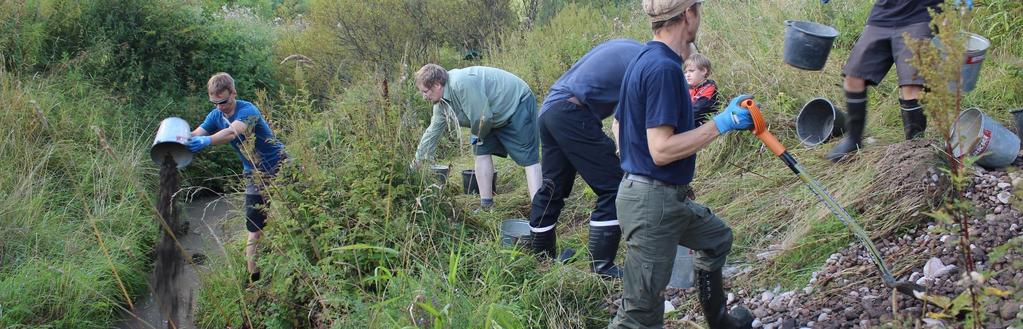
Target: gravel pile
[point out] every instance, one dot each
(848, 292)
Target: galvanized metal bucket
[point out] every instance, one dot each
(976, 47)
(976, 134)
(515, 232)
(170, 139)
(682, 270)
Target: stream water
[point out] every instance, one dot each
(209, 226)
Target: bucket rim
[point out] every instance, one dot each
(833, 33)
(508, 226)
(984, 41)
(973, 140)
(799, 117)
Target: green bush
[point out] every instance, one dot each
(139, 47)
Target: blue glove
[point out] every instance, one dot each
(474, 140)
(734, 117)
(197, 143)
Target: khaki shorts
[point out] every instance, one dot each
(880, 47)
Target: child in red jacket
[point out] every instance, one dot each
(703, 91)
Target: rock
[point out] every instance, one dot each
(1016, 182)
(788, 323)
(766, 297)
(760, 312)
(850, 313)
(757, 323)
(1004, 197)
(824, 317)
(1004, 185)
(1009, 310)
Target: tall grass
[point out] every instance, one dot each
(64, 188)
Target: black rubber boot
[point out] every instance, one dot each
(544, 244)
(603, 247)
(856, 119)
(712, 298)
(914, 121)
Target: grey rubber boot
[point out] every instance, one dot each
(712, 299)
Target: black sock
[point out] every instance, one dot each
(856, 101)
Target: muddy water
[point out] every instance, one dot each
(210, 224)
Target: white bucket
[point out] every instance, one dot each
(976, 134)
(170, 139)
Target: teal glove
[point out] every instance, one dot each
(197, 143)
(734, 117)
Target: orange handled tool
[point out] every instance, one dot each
(760, 130)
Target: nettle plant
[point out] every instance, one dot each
(940, 62)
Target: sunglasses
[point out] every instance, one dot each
(221, 102)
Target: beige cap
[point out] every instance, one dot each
(662, 10)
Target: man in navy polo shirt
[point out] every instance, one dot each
(573, 141)
(658, 150)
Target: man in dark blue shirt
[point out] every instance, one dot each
(880, 45)
(658, 150)
(228, 123)
(573, 141)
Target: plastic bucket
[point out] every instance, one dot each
(515, 232)
(976, 47)
(682, 270)
(818, 121)
(807, 44)
(170, 139)
(440, 172)
(469, 184)
(976, 134)
(1017, 116)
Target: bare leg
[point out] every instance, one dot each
(485, 176)
(251, 248)
(533, 178)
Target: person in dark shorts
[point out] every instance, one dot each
(498, 108)
(881, 45)
(659, 142)
(573, 141)
(702, 90)
(232, 121)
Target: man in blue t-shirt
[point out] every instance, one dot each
(231, 121)
(658, 149)
(573, 140)
(879, 47)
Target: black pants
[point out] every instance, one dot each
(572, 140)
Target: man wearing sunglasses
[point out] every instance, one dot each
(231, 121)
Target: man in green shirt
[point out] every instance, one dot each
(498, 108)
